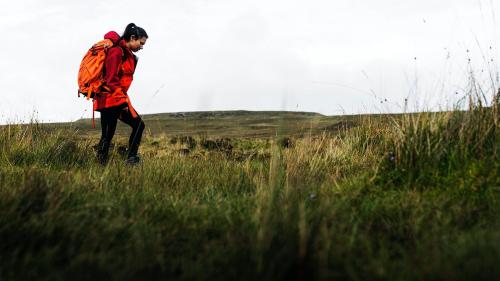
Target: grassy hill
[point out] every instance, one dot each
(256, 196)
(248, 124)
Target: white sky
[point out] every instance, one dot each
(331, 57)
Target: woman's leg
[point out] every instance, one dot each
(137, 128)
(109, 118)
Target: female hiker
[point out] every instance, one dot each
(114, 102)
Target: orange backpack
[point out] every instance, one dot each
(90, 75)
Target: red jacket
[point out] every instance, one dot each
(119, 71)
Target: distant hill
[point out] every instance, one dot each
(229, 113)
(238, 123)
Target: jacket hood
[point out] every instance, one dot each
(113, 36)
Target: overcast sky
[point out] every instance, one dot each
(331, 56)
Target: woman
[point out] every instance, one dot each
(114, 102)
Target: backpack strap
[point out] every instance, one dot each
(93, 118)
(89, 93)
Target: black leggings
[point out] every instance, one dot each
(109, 120)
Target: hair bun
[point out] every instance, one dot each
(133, 30)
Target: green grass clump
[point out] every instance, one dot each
(427, 148)
(411, 197)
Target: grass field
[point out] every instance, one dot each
(256, 196)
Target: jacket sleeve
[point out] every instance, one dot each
(112, 65)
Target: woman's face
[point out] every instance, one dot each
(136, 44)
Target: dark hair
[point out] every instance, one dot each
(133, 30)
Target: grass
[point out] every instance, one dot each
(407, 197)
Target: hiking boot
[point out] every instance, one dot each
(102, 152)
(98, 147)
(103, 159)
(133, 160)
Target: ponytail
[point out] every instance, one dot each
(133, 30)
